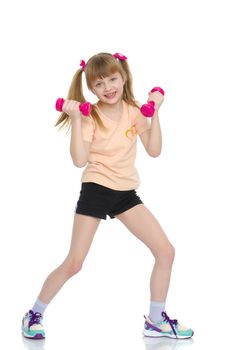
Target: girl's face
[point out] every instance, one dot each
(109, 89)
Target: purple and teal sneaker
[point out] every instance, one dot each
(166, 328)
(32, 325)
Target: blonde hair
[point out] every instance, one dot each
(98, 66)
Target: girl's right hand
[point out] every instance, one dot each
(71, 107)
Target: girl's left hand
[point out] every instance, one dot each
(157, 97)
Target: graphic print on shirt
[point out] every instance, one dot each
(131, 130)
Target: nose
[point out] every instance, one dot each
(107, 86)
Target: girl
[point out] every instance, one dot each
(105, 141)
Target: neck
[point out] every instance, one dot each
(111, 108)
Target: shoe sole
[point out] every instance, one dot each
(154, 334)
(37, 336)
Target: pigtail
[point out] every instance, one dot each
(75, 93)
(97, 118)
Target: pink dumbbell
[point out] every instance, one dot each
(85, 107)
(148, 109)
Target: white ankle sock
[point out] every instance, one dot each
(156, 308)
(39, 306)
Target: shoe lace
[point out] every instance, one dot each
(171, 322)
(34, 318)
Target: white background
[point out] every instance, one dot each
(182, 46)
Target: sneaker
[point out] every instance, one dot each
(166, 328)
(32, 325)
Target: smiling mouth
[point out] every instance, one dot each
(110, 95)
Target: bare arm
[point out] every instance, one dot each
(79, 150)
(152, 138)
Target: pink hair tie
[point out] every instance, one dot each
(82, 64)
(120, 56)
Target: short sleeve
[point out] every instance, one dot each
(88, 128)
(142, 123)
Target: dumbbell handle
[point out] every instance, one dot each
(148, 109)
(85, 107)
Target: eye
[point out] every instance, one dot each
(113, 78)
(98, 84)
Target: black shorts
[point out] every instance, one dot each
(98, 201)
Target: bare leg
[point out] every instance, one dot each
(84, 228)
(142, 223)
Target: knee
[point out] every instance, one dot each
(166, 255)
(72, 266)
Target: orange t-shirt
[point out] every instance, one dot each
(113, 151)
